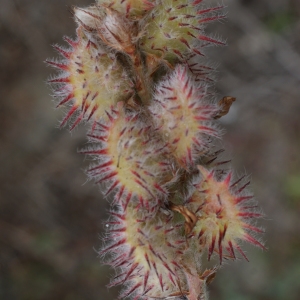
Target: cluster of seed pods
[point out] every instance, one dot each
(133, 74)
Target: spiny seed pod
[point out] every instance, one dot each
(145, 251)
(223, 214)
(90, 18)
(132, 159)
(92, 80)
(147, 142)
(133, 9)
(184, 116)
(110, 26)
(175, 28)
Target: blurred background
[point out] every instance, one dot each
(51, 217)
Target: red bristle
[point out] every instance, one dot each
(231, 250)
(242, 252)
(178, 53)
(253, 228)
(155, 269)
(189, 93)
(66, 54)
(171, 278)
(97, 137)
(118, 230)
(147, 290)
(138, 175)
(119, 216)
(237, 182)
(184, 41)
(104, 165)
(59, 80)
(210, 40)
(57, 65)
(159, 188)
(129, 292)
(120, 193)
(70, 42)
(200, 233)
(141, 200)
(249, 215)
(115, 245)
(103, 126)
(168, 268)
(68, 116)
(242, 198)
(119, 260)
(131, 270)
(243, 187)
(176, 264)
(211, 247)
(197, 51)
(223, 162)
(131, 252)
(144, 187)
(77, 121)
(146, 276)
(204, 11)
(161, 282)
(109, 116)
(65, 100)
(210, 19)
(92, 112)
(253, 241)
(228, 178)
(127, 200)
(108, 176)
(147, 260)
(111, 188)
(208, 130)
(197, 2)
(95, 152)
(152, 250)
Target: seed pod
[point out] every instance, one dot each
(224, 214)
(175, 28)
(145, 251)
(133, 9)
(92, 80)
(132, 160)
(183, 116)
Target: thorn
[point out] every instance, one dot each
(242, 252)
(77, 121)
(66, 54)
(60, 80)
(70, 41)
(57, 65)
(255, 242)
(130, 291)
(115, 245)
(231, 250)
(108, 176)
(127, 200)
(111, 188)
(146, 280)
(211, 247)
(242, 198)
(67, 117)
(210, 40)
(228, 178)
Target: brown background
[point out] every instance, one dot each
(51, 218)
